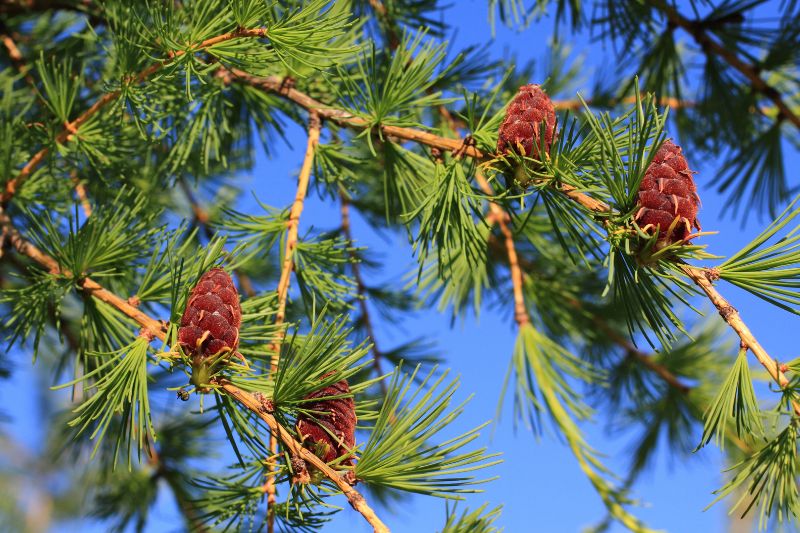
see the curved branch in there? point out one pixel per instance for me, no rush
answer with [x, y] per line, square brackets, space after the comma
[710, 46]
[88, 285]
[70, 128]
[501, 217]
[361, 288]
[461, 147]
[277, 85]
[293, 224]
[356, 500]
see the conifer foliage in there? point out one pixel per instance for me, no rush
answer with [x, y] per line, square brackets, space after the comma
[135, 266]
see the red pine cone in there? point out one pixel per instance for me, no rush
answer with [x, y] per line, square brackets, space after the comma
[668, 196]
[520, 130]
[326, 419]
[210, 323]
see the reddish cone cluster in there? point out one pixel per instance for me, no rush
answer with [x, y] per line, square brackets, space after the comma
[210, 323]
[668, 196]
[520, 131]
[329, 430]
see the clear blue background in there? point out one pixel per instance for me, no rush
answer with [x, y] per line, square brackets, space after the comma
[540, 485]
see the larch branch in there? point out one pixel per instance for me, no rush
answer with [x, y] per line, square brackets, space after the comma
[577, 105]
[461, 147]
[501, 217]
[83, 197]
[647, 359]
[16, 57]
[71, 127]
[356, 500]
[293, 224]
[361, 289]
[709, 45]
[276, 84]
[87, 284]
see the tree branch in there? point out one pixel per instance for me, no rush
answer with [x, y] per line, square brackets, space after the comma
[71, 128]
[356, 500]
[462, 147]
[386, 23]
[710, 46]
[275, 84]
[16, 56]
[501, 217]
[88, 285]
[293, 225]
[577, 105]
[647, 359]
[361, 288]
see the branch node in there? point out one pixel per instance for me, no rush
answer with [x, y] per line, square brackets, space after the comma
[712, 274]
[265, 404]
[727, 311]
[467, 142]
[350, 478]
[287, 84]
[146, 333]
[300, 475]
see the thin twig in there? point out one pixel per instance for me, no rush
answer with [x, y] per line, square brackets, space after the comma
[71, 127]
[463, 148]
[709, 45]
[275, 84]
[19, 62]
[202, 218]
[700, 276]
[361, 288]
[647, 359]
[501, 217]
[83, 197]
[356, 500]
[577, 105]
[293, 225]
[88, 285]
[16, 57]
[386, 23]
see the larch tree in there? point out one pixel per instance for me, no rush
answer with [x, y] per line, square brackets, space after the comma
[133, 280]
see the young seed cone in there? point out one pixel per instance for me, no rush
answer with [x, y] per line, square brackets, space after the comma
[530, 115]
[329, 430]
[668, 200]
[210, 324]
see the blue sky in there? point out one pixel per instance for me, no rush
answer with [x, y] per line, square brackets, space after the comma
[540, 484]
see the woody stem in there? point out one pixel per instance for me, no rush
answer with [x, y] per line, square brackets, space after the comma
[293, 224]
